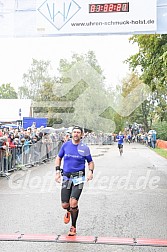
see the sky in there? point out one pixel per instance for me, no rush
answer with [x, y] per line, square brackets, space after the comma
[16, 55]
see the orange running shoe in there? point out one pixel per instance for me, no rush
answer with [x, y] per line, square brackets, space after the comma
[67, 217]
[72, 231]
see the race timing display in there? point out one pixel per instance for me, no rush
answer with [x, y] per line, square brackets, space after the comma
[109, 7]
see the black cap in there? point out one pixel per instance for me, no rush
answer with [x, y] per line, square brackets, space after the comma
[78, 127]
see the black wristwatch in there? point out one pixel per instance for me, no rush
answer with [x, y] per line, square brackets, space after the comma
[57, 168]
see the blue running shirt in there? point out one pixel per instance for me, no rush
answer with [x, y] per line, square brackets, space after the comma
[75, 156]
[120, 139]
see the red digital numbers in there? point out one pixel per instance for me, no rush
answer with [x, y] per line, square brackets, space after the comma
[125, 7]
[98, 8]
[109, 7]
[119, 6]
[106, 6]
[92, 8]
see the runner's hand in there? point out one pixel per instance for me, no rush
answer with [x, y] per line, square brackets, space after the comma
[58, 177]
[90, 175]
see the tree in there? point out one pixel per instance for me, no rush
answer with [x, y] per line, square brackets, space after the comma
[141, 114]
[46, 104]
[86, 90]
[79, 87]
[150, 62]
[34, 79]
[7, 92]
[161, 129]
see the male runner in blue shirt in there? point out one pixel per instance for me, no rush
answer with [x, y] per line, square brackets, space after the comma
[120, 140]
[75, 154]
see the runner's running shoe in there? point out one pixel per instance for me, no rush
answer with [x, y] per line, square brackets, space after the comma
[72, 231]
[67, 217]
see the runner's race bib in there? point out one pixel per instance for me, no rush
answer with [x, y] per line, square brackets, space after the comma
[78, 180]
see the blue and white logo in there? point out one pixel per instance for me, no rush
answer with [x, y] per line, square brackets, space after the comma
[58, 12]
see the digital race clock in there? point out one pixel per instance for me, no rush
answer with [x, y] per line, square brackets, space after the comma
[108, 7]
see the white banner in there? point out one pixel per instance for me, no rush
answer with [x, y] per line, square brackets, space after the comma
[28, 18]
[95, 16]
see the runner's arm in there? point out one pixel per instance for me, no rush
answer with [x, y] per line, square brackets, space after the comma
[58, 171]
[90, 172]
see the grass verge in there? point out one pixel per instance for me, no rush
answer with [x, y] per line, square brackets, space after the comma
[161, 152]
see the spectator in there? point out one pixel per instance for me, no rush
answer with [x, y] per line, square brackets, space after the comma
[4, 146]
[153, 139]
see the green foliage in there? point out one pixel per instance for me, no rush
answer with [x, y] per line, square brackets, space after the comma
[7, 92]
[150, 62]
[34, 79]
[161, 129]
[150, 57]
[39, 86]
[141, 114]
[88, 93]
[75, 92]
[119, 122]
[55, 121]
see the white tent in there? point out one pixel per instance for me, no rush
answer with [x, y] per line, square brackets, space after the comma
[14, 109]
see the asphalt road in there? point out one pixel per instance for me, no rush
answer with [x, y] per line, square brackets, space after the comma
[127, 198]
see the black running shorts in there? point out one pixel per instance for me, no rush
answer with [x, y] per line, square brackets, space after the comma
[68, 191]
[120, 146]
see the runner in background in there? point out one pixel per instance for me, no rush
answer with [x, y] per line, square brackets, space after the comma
[120, 140]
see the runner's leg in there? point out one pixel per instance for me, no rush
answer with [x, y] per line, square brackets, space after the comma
[75, 194]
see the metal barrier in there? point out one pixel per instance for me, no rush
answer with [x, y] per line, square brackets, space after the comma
[27, 155]
[7, 161]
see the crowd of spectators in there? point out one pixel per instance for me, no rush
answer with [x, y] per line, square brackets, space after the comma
[31, 146]
[146, 138]
[26, 147]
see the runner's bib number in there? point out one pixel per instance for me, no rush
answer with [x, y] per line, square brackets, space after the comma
[78, 180]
